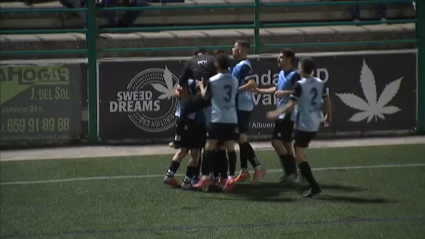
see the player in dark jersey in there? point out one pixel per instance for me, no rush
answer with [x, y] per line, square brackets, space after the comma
[199, 67]
[284, 125]
[185, 140]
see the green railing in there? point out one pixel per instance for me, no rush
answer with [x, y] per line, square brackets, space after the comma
[92, 32]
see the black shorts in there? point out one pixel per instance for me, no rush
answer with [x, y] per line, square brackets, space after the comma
[243, 121]
[223, 132]
[195, 104]
[303, 138]
[283, 129]
[188, 135]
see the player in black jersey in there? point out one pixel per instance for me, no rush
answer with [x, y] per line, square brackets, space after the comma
[199, 67]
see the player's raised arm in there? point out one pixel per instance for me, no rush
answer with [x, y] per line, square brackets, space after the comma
[246, 73]
[203, 89]
[270, 90]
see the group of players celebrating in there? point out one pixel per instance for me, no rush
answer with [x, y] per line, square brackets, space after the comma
[215, 104]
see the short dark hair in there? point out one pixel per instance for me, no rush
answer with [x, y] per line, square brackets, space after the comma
[223, 61]
[199, 50]
[218, 51]
[288, 53]
[308, 65]
[244, 44]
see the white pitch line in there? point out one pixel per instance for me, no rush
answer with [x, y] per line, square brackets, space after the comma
[162, 175]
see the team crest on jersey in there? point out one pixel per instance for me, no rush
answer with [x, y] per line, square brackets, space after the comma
[148, 100]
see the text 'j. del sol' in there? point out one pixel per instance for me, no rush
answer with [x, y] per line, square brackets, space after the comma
[57, 93]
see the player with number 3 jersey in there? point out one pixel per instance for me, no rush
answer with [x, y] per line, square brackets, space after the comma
[223, 128]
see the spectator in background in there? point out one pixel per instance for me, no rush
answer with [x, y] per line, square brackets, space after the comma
[381, 12]
[129, 17]
[76, 4]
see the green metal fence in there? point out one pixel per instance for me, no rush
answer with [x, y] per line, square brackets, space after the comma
[92, 32]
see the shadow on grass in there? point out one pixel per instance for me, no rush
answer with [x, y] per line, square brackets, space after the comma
[275, 192]
[346, 199]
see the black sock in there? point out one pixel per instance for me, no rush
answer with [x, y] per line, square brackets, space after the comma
[250, 154]
[292, 164]
[190, 172]
[307, 174]
[198, 168]
[174, 166]
[243, 157]
[224, 165]
[285, 166]
[216, 164]
[207, 163]
[232, 162]
[288, 164]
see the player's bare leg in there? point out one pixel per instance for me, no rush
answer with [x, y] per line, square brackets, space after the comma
[247, 154]
[174, 166]
[306, 172]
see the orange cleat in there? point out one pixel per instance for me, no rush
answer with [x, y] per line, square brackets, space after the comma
[258, 175]
[204, 182]
[229, 185]
[243, 175]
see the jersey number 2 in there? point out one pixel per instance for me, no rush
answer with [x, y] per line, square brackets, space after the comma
[313, 93]
[227, 93]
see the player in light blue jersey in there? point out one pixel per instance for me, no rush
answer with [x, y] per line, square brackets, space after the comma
[187, 139]
[223, 128]
[245, 104]
[307, 95]
[221, 167]
[284, 125]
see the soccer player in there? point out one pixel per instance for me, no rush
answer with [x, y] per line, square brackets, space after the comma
[200, 66]
[307, 95]
[186, 139]
[284, 125]
[220, 167]
[245, 104]
[223, 129]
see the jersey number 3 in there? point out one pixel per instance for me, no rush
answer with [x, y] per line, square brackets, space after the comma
[313, 93]
[227, 93]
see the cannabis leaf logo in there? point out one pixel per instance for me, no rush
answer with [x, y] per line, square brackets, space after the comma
[167, 92]
[372, 108]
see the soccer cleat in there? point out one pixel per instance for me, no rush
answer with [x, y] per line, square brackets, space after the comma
[289, 180]
[300, 179]
[258, 175]
[186, 186]
[205, 181]
[243, 175]
[171, 181]
[229, 185]
[312, 192]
